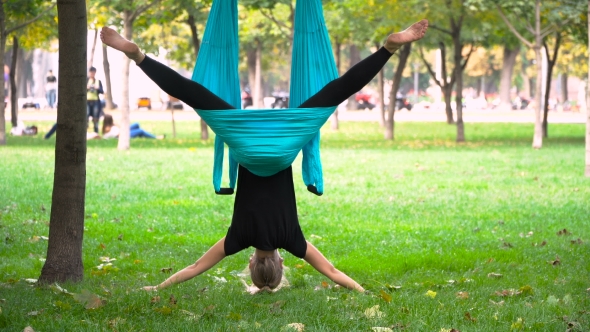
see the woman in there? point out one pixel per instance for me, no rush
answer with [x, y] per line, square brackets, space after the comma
[109, 130]
[265, 209]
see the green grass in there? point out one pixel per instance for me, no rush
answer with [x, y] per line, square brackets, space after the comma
[416, 213]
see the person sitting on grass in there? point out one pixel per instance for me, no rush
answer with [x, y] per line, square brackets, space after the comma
[265, 209]
[110, 130]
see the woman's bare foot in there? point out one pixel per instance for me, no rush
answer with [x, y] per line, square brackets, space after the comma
[111, 38]
[415, 32]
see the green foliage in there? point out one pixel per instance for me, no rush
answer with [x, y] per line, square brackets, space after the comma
[412, 219]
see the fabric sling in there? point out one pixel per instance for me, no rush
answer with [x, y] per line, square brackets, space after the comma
[266, 141]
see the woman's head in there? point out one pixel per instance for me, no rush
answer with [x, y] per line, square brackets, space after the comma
[107, 123]
[266, 272]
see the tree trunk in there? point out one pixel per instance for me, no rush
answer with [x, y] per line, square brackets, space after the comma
[108, 96]
[458, 61]
[66, 226]
[13, 95]
[251, 63]
[588, 103]
[173, 122]
[564, 90]
[550, 65]
[447, 91]
[355, 57]
[124, 134]
[526, 84]
[335, 125]
[257, 93]
[538, 134]
[194, 34]
[2, 83]
[404, 54]
[510, 55]
[197, 47]
[91, 60]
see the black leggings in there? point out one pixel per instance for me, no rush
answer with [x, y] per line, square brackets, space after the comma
[197, 96]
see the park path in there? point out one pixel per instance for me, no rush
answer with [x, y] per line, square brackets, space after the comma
[417, 115]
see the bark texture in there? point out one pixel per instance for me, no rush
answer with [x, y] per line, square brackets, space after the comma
[550, 65]
[108, 95]
[588, 108]
[66, 229]
[124, 134]
[508, 63]
[13, 93]
[2, 96]
[404, 54]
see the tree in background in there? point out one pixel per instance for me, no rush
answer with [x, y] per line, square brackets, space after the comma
[15, 15]
[66, 227]
[539, 19]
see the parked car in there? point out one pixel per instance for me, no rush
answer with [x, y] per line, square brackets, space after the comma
[402, 102]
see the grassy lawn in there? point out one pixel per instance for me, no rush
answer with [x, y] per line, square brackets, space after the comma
[443, 236]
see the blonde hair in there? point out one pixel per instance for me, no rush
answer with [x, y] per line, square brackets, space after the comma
[267, 272]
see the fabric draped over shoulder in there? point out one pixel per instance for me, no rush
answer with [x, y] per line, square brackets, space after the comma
[266, 141]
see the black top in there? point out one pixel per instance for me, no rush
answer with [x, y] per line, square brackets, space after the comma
[51, 79]
[265, 215]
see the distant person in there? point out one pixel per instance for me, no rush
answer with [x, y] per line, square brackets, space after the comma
[110, 130]
[6, 80]
[50, 89]
[93, 89]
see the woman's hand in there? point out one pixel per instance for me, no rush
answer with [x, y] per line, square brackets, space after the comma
[150, 288]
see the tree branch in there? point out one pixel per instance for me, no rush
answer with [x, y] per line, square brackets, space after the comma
[435, 27]
[140, 10]
[279, 24]
[24, 24]
[432, 73]
[467, 57]
[513, 29]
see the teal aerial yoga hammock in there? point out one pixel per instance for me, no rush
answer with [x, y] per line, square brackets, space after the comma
[266, 141]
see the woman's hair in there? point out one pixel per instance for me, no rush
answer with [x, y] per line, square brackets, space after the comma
[267, 272]
[107, 123]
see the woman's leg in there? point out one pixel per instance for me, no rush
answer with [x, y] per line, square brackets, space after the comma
[174, 84]
[362, 73]
[134, 126]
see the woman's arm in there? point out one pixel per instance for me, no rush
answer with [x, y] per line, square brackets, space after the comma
[213, 256]
[314, 257]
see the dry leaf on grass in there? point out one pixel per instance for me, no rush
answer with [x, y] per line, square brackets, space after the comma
[462, 295]
[155, 299]
[296, 327]
[495, 275]
[430, 294]
[88, 299]
[28, 329]
[385, 296]
[469, 317]
[556, 262]
[166, 270]
[381, 329]
[373, 312]
[172, 299]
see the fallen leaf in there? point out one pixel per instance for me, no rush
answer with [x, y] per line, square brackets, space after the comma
[28, 329]
[469, 317]
[106, 259]
[431, 294]
[381, 329]
[494, 275]
[34, 239]
[563, 232]
[31, 280]
[507, 292]
[155, 299]
[120, 237]
[526, 290]
[234, 316]
[578, 241]
[499, 304]
[44, 238]
[35, 313]
[462, 295]
[62, 305]
[101, 246]
[191, 316]
[491, 259]
[58, 289]
[296, 326]
[392, 287]
[507, 245]
[556, 262]
[113, 323]
[137, 261]
[385, 296]
[172, 299]
[299, 266]
[325, 284]
[166, 270]
[88, 299]
[518, 325]
[164, 310]
[373, 312]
